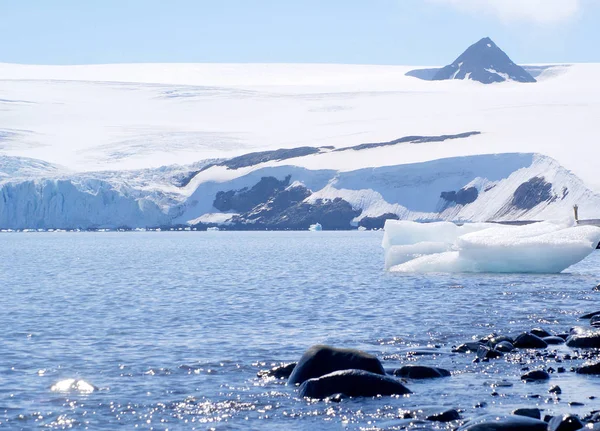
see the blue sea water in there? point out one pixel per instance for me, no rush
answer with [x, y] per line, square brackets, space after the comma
[172, 328]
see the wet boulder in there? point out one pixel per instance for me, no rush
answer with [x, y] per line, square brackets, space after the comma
[529, 412]
[529, 341]
[352, 383]
[493, 342]
[584, 339]
[505, 423]
[589, 368]
[420, 372]
[589, 315]
[320, 360]
[282, 371]
[504, 347]
[565, 423]
[595, 321]
[485, 352]
[471, 346]
[554, 340]
[540, 332]
[445, 416]
[535, 376]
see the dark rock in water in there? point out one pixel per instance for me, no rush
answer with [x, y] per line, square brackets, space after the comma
[461, 197]
[535, 376]
[532, 193]
[467, 347]
[505, 423]
[539, 332]
[421, 372]
[245, 199]
[555, 390]
[485, 352]
[281, 372]
[529, 412]
[565, 423]
[586, 340]
[590, 315]
[377, 222]
[504, 347]
[589, 368]
[564, 336]
[595, 321]
[352, 383]
[320, 360]
[529, 341]
[597, 288]
[447, 416]
[554, 340]
[485, 62]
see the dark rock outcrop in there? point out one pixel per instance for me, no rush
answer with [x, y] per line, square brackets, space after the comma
[409, 139]
[421, 372]
[377, 222]
[461, 197]
[245, 199]
[321, 360]
[352, 383]
[485, 62]
[532, 193]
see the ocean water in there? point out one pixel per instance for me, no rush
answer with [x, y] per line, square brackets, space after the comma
[171, 328]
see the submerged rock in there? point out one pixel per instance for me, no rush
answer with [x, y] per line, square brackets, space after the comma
[320, 360]
[352, 383]
[529, 341]
[472, 346]
[421, 372]
[447, 416]
[280, 372]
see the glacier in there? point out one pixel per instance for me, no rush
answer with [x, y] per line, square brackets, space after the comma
[160, 142]
[542, 247]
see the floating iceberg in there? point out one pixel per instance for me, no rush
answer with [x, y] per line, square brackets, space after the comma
[315, 227]
[544, 247]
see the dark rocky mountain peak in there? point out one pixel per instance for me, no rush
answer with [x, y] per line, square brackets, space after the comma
[485, 62]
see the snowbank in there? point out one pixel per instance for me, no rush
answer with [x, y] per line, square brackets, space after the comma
[545, 247]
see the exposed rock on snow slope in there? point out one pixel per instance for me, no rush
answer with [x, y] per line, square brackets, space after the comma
[475, 188]
[485, 62]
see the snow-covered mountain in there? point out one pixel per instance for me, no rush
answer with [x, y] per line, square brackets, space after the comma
[277, 194]
[162, 145]
[485, 62]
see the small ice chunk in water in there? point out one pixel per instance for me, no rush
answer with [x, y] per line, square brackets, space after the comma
[68, 385]
[544, 247]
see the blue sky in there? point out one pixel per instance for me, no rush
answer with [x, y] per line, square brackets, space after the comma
[411, 32]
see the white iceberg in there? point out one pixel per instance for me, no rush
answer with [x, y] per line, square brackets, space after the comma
[543, 247]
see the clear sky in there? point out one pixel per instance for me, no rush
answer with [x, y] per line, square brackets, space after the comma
[410, 32]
